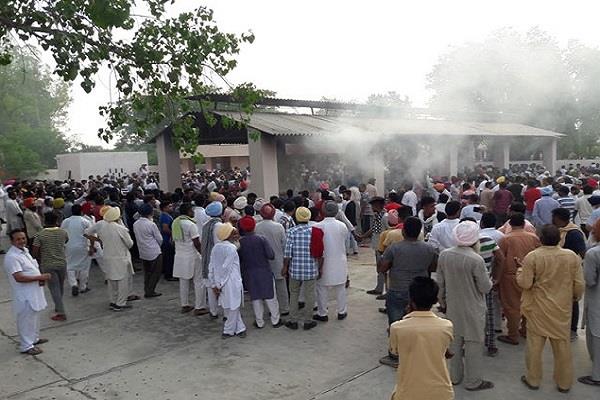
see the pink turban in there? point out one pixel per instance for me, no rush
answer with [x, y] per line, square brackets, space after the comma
[393, 218]
[267, 211]
[466, 233]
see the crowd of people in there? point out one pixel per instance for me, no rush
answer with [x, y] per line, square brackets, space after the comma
[505, 255]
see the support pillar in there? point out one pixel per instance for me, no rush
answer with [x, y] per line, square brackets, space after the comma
[169, 169]
[502, 154]
[550, 154]
[379, 173]
[452, 159]
[263, 165]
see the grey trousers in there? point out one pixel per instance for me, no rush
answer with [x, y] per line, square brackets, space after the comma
[152, 273]
[468, 370]
[282, 295]
[119, 290]
[56, 285]
[309, 295]
[593, 345]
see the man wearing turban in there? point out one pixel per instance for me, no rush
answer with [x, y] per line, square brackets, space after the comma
[226, 280]
[208, 239]
[464, 282]
[33, 222]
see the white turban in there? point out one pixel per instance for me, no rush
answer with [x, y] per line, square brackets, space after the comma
[466, 233]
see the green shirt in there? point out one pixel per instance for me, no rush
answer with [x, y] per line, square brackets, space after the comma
[51, 242]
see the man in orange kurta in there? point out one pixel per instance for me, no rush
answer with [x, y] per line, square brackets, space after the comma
[515, 245]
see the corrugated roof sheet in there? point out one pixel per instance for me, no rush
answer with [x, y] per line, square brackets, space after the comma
[284, 124]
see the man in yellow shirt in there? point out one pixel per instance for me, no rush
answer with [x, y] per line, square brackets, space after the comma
[551, 278]
[421, 341]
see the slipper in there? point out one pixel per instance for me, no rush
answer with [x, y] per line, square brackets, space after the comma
[484, 385]
[529, 385]
[34, 351]
[506, 339]
[587, 380]
[133, 297]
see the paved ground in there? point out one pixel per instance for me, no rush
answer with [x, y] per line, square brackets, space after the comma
[154, 352]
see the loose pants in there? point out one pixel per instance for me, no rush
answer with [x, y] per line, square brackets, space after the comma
[28, 325]
[282, 295]
[199, 291]
[593, 346]
[234, 323]
[152, 271]
[309, 291]
[78, 277]
[322, 298]
[168, 252]
[466, 369]
[56, 285]
[563, 362]
[510, 296]
[119, 290]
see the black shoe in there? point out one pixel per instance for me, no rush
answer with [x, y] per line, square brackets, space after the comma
[342, 316]
[111, 305]
[374, 292]
[301, 305]
[315, 308]
[381, 297]
[254, 324]
[115, 307]
[279, 324]
[241, 334]
[152, 295]
[389, 361]
[285, 314]
[309, 325]
[291, 325]
[74, 291]
[382, 310]
[226, 336]
[172, 279]
[317, 317]
[87, 289]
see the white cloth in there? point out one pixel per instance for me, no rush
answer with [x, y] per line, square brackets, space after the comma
[442, 235]
[234, 323]
[116, 242]
[468, 211]
[410, 199]
[148, 238]
[12, 215]
[188, 261]
[335, 263]
[199, 292]
[200, 217]
[19, 260]
[224, 273]
[78, 277]
[259, 310]
[77, 248]
[323, 298]
[493, 233]
[28, 325]
[119, 290]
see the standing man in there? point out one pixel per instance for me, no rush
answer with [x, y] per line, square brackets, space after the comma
[28, 299]
[116, 259]
[14, 214]
[49, 250]
[502, 199]
[542, 209]
[32, 220]
[551, 279]
[167, 248]
[379, 224]
[442, 234]
[592, 312]
[584, 209]
[274, 233]
[301, 268]
[335, 264]
[208, 239]
[515, 245]
[78, 250]
[403, 261]
[149, 241]
[464, 282]
[421, 341]
[226, 280]
[188, 261]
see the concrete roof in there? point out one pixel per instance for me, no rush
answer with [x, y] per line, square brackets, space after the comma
[286, 124]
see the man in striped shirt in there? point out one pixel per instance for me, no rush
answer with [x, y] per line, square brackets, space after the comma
[565, 200]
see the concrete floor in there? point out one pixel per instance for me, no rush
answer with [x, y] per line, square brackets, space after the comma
[154, 352]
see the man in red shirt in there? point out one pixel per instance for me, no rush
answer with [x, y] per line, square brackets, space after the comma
[502, 200]
[532, 193]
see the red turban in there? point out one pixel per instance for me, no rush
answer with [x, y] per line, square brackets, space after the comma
[86, 208]
[28, 202]
[247, 224]
[267, 211]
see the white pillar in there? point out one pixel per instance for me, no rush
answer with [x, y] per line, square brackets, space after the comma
[502, 154]
[379, 173]
[263, 165]
[452, 159]
[550, 154]
[169, 169]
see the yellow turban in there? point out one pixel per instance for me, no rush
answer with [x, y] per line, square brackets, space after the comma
[103, 210]
[112, 214]
[302, 214]
[224, 231]
[500, 180]
[59, 202]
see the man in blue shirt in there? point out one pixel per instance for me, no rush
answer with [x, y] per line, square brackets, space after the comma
[168, 248]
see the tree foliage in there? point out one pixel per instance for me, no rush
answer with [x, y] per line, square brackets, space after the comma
[526, 78]
[155, 60]
[32, 112]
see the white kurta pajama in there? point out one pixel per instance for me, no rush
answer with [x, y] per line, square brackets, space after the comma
[592, 307]
[335, 265]
[275, 235]
[13, 220]
[188, 266]
[28, 297]
[116, 259]
[77, 251]
[224, 273]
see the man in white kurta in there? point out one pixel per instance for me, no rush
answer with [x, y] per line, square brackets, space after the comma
[27, 295]
[116, 259]
[226, 279]
[592, 312]
[77, 251]
[14, 214]
[335, 264]
[188, 261]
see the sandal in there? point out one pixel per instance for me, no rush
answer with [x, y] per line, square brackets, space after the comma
[529, 385]
[34, 351]
[484, 385]
[587, 380]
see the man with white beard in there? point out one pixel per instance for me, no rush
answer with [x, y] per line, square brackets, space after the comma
[335, 264]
